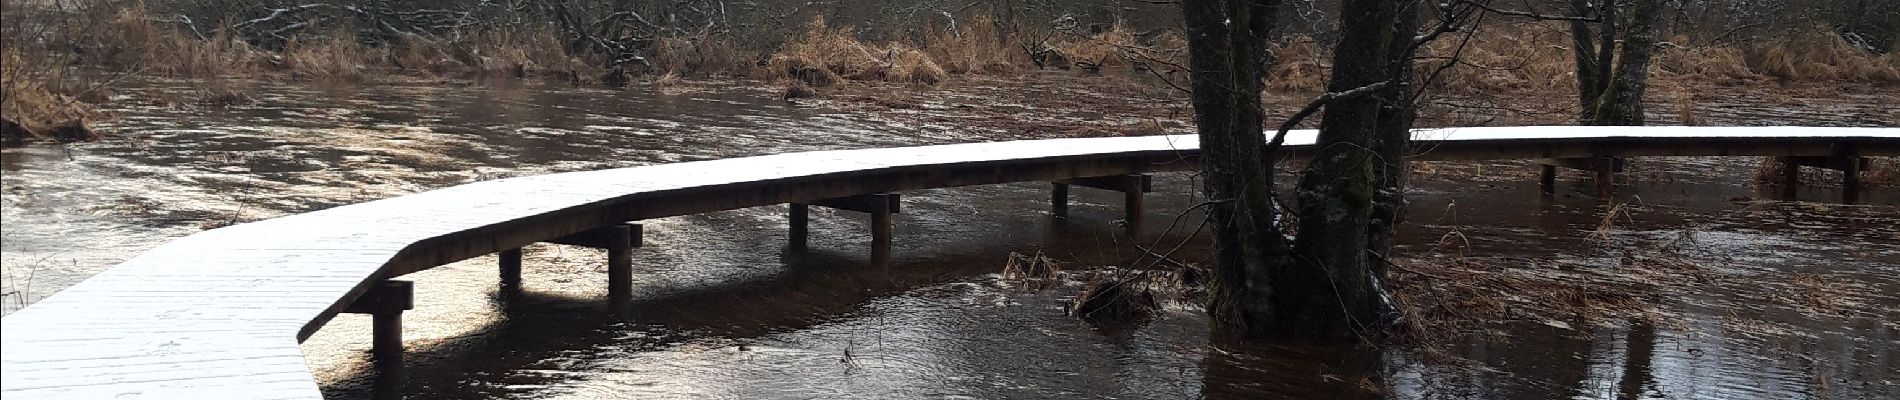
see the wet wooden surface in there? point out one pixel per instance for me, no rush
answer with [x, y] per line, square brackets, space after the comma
[219, 314]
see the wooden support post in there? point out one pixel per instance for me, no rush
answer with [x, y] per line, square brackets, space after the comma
[881, 231]
[800, 221]
[1603, 168]
[1131, 201]
[1606, 177]
[1059, 199]
[1790, 177]
[1850, 181]
[1547, 181]
[1850, 163]
[510, 269]
[1131, 186]
[1846, 159]
[620, 242]
[385, 304]
[879, 205]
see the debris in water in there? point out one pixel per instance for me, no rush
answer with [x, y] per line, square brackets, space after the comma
[1035, 272]
[1115, 302]
[797, 90]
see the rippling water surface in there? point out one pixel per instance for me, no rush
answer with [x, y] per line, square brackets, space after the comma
[722, 311]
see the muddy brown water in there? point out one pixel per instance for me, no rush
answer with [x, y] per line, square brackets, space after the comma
[721, 310]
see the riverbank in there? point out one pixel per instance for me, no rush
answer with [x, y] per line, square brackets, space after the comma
[1503, 67]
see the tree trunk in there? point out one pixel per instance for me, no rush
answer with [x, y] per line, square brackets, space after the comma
[1622, 101]
[1588, 87]
[1595, 59]
[1226, 43]
[1395, 135]
[1320, 285]
[1332, 293]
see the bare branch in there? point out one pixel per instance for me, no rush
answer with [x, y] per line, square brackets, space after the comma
[1314, 106]
[1527, 14]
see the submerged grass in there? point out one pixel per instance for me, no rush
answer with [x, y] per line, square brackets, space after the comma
[1446, 293]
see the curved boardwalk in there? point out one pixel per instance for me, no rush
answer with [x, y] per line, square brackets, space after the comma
[219, 314]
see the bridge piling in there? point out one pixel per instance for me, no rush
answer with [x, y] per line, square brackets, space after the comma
[1132, 186]
[618, 240]
[1845, 159]
[880, 235]
[1059, 199]
[621, 240]
[1606, 176]
[385, 304]
[1547, 180]
[800, 226]
[1850, 181]
[879, 205]
[1790, 176]
[510, 270]
[1850, 162]
[1603, 170]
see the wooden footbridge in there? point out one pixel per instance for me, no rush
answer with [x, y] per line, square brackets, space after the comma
[219, 314]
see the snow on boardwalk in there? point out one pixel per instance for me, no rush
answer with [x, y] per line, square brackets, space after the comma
[219, 314]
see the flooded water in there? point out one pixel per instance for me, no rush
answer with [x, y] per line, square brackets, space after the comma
[722, 310]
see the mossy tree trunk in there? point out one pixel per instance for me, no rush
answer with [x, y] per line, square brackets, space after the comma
[1332, 293]
[1622, 100]
[1227, 40]
[1321, 285]
[1611, 80]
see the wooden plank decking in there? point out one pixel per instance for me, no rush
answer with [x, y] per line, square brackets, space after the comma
[219, 314]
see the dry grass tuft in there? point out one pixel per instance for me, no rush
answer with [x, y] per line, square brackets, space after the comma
[134, 40]
[913, 66]
[703, 56]
[1118, 47]
[1821, 56]
[1506, 58]
[32, 108]
[976, 47]
[1032, 272]
[1724, 65]
[1299, 66]
[337, 57]
[826, 56]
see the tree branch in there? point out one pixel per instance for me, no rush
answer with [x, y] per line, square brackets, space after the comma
[1316, 104]
[1526, 14]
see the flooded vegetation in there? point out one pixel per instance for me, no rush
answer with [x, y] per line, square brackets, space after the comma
[1699, 279]
[1701, 284]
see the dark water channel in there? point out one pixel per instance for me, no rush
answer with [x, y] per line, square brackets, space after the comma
[721, 310]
